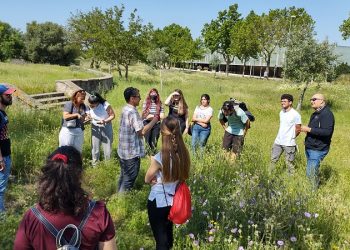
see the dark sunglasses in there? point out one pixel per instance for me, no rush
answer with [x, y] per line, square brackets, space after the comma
[314, 99]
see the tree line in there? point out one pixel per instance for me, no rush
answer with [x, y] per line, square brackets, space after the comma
[105, 36]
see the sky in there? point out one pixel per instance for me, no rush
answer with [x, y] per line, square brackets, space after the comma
[328, 14]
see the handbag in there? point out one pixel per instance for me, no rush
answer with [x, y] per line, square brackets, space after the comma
[71, 123]
[181, 210]
[189, 131]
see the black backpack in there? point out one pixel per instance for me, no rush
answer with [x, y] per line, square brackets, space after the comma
[61, 242]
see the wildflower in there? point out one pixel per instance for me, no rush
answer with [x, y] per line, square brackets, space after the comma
[205, 213]
[211, 238]
[293, 239]
[241, 204]
[250, 243]
[316, 215]
[191, 235]
[241, 248]
[280, 242]
[307, 214]
[196, 242]
[234, 230]
[211, 231]
[210, 225]
[250, 222]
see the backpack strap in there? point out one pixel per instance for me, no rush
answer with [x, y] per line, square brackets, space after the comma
[51, 228]
[75, 236]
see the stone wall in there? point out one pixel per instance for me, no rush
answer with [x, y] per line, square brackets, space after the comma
[100, 84]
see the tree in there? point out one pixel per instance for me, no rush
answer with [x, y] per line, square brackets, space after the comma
[244, 39]
[214, 62]
[11, 42]
[345, 28]
[157, 58]
[216, 34]
[308, 60]
[104, 36]
[85, 30]
[276, 28]
[178, 43]
[47, 43]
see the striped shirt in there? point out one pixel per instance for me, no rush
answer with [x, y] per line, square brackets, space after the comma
[153, 108]
[131, 145]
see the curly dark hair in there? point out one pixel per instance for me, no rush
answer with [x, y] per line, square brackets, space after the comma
[60, 183]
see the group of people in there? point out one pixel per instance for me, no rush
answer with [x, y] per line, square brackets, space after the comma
[319, 132]
[63, 201]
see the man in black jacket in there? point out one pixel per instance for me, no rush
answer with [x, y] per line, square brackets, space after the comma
[318, 136]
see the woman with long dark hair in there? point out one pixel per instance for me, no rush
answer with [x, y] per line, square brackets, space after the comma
[152, 107]
[74, 115]
[178, 109]
[167, 168]
[201, 123]
[101, 115]
[62, 201]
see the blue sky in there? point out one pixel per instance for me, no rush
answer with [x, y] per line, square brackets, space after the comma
[328, 14]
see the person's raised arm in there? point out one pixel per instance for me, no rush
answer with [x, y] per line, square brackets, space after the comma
[168, 99]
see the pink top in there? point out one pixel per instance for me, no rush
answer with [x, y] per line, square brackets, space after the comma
[32, 234]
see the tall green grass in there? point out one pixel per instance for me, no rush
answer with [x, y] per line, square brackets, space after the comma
[235, 204]
[39, 78]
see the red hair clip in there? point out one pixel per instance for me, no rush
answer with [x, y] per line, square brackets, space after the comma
[61, 157]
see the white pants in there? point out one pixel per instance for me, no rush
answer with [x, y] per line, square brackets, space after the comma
[72, 137]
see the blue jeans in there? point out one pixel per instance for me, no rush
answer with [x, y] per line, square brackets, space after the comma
[200, 136]
[4, 177]
[314, 158]
[129, 169]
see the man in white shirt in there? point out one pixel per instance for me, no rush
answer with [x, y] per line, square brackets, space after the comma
[290, 124]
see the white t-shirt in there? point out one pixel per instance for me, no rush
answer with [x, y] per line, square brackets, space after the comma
[99, 113]
[286, 132]
[203, 113]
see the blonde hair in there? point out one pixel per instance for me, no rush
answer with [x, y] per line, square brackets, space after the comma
[175, 156]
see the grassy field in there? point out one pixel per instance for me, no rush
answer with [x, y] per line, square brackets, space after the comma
[235, 204]
[39, 78]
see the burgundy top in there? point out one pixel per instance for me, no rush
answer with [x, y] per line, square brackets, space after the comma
[32, 234]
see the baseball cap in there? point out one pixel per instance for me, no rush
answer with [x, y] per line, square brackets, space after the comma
[6, 90]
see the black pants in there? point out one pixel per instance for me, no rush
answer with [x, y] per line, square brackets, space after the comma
[162, 228]
[152, 136]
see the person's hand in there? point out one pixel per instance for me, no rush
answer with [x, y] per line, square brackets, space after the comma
[305, 129]
[153, 181]
[185, 131]
[149, 117]
[2, 165]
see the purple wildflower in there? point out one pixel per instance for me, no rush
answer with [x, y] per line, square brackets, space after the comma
[307, 214]
[293, 239]
[241, 204]
[280, 242]
[211, 238]
[234, 230]
[191, 235]
[241, 248]
[196, 242]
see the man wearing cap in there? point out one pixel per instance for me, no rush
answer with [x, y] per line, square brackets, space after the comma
[235, 123]
[290, 123]
[5, 143]
[319, 133]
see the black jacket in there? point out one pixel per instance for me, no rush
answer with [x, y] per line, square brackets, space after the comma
[322, 127]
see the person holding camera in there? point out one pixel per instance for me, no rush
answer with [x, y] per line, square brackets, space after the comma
[178, 109]
[235, 123]
[74, 115]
